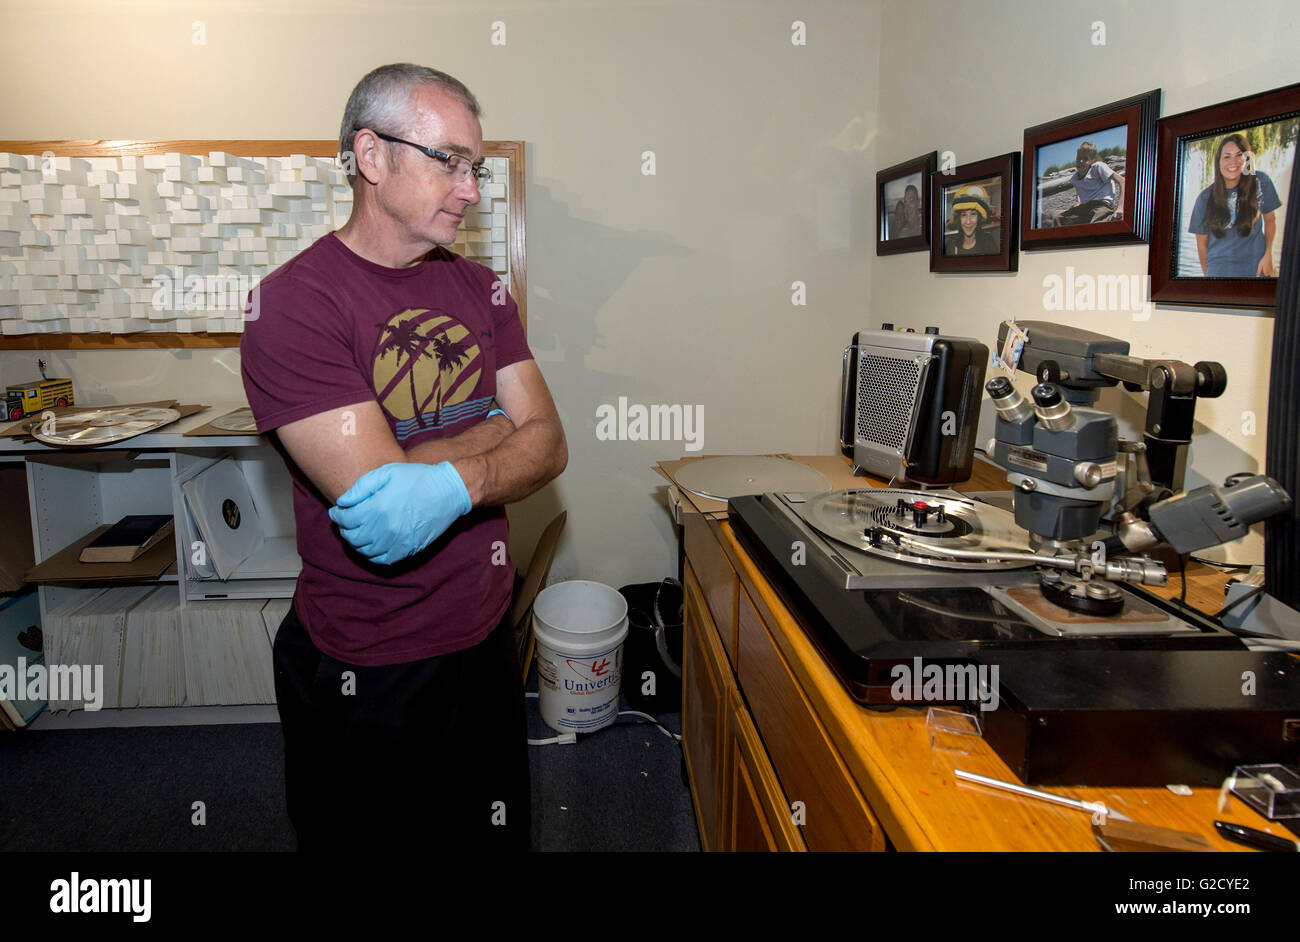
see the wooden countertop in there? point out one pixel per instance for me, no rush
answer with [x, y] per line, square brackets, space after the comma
[911, 787]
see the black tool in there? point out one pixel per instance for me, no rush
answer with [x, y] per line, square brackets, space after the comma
[1251, 837]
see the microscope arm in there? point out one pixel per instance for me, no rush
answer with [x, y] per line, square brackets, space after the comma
[1173, 388]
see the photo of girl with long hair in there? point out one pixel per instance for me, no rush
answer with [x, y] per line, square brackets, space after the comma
[1234, 218]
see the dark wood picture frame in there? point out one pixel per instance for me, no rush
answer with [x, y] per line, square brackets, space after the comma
[1007, 167]
[924, 165]
[1139, 115]
[1172, 136]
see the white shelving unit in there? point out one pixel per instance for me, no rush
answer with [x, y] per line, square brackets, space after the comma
[73, 491]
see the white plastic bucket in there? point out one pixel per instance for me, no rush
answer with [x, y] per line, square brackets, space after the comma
[580, 627]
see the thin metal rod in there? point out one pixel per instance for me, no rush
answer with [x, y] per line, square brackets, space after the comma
[1076, 804]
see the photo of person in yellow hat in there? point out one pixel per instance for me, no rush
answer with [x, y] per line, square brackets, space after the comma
[970, 214]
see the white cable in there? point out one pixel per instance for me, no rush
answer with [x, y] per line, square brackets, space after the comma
[564, 739]
[663, 729]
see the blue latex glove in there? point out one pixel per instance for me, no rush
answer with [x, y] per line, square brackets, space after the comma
[398, 509]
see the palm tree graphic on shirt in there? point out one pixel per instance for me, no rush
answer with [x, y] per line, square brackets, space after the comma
[436, 359]
[449, 354]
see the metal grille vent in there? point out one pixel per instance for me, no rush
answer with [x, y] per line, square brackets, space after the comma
[886, 396]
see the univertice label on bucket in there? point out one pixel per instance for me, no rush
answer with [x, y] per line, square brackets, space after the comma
[588, 688]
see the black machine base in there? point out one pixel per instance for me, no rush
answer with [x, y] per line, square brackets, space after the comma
[1143, 717]
[1072, 710]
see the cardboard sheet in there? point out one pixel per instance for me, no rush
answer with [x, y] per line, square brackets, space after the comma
[66, 566]
[538, 568]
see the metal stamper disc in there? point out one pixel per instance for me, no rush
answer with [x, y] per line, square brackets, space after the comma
[241, 420]
[847, 515]
[101, 426]
[741, 475]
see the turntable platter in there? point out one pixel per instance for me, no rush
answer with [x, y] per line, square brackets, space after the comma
[940, 521]
[87, 428]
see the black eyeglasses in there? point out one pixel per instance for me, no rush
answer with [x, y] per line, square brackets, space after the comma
[452, 163]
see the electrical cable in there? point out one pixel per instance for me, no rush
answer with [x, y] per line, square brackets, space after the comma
[570, 738]
[1224, 566]
[564, 739]
[676, 737]
[1237, 601]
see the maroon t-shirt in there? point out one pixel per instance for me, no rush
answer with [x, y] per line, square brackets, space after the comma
[425, 342]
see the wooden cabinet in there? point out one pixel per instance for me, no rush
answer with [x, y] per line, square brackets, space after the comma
[764, 773]
[739, 804]
[756, 815]
[833, 814]
[715, 579]
[706, 679]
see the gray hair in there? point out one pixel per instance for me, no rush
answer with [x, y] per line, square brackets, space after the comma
[382, 102]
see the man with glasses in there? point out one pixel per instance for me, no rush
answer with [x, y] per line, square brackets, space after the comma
[376, 358]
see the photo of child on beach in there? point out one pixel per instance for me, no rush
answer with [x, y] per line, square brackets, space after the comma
[1080, 181]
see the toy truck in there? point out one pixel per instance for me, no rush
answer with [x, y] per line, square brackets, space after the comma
[26, 398]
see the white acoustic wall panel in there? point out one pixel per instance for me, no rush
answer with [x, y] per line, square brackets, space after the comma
[173, 243]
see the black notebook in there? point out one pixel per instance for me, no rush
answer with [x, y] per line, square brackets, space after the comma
[127, 539]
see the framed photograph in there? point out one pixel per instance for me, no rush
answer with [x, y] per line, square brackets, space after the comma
[1089, 179]
[1223, 174]
[973, 216]
[903, 206]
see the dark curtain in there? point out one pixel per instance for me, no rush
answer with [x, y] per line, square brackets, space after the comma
[1282, 458]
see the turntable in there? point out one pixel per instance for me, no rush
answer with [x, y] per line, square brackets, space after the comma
[881, 576]
[1094, 680]
[884, 538]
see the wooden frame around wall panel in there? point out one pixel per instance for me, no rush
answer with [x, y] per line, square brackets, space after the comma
[515, 228]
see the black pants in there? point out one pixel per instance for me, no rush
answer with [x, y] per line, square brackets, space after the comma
[423, 755]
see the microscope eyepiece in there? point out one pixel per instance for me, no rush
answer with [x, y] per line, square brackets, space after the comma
[1046, 394]
[999, 387]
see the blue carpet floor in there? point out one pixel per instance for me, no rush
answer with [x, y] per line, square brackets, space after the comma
[132, 789]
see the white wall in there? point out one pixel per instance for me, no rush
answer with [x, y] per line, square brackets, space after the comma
[673, 288]
[970, 77]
